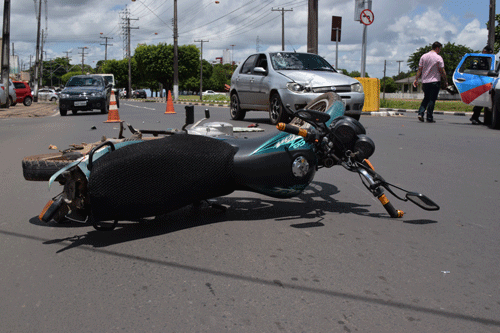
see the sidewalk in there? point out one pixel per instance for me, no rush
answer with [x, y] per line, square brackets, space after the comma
[385, 112]
[40, 109]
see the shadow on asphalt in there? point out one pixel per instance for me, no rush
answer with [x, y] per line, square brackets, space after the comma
[311, 206]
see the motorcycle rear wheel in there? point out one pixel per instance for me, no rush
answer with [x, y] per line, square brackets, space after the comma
[42, 167]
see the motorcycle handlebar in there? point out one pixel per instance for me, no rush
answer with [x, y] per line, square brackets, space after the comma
[294, 130]
[377, 191]
[393, 212]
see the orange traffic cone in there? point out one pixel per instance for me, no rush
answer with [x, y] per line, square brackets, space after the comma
[113, 116]
[170, 104]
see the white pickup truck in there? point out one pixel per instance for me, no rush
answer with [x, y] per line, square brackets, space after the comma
[111, 79]
[477, 80]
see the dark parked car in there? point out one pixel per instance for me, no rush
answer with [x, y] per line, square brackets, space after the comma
[85, 93]
[139, 94]
[23, 93]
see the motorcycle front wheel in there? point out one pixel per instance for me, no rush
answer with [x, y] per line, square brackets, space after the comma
[42, 167]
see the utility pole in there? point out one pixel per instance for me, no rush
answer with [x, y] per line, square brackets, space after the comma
[232, 52]
[491, 25]
[126, 27]
[201, 66]
[5, 50]
[399, 69]
[106, 46]
[176, 55]
[282, 10]
[83, 56]
[385, 67]
[40, 77]
[67, 58]
[37, 56]
[312, 27]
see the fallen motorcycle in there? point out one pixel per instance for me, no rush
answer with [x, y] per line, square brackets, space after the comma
[138, 177]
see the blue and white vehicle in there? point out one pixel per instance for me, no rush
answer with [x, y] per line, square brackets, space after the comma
[476, 78]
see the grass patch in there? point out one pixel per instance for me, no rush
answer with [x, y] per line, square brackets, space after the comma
[455, 106]
[196, 98]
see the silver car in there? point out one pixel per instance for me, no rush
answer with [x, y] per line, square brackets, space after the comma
[271, 80]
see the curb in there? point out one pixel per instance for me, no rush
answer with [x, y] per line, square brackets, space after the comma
[387, 112]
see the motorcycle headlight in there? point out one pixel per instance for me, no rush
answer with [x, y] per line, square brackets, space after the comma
[357, 87]
[297, 87]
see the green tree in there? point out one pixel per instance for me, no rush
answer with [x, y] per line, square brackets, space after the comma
[119, 69]
[390, 85]
[451, 53]
[65, 78]
[496, 45]
[53, 70]
[155, 62]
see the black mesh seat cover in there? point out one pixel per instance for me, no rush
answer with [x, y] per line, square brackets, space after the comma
[157, 176]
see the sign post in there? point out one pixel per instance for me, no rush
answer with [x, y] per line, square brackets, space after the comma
[336, 30]
[363, 14]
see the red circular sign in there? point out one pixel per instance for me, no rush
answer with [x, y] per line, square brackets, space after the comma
[366, 17]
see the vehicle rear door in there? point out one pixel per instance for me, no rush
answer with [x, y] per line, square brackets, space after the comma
[21, 91]
[472, 80]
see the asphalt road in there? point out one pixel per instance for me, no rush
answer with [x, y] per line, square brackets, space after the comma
[329, 260]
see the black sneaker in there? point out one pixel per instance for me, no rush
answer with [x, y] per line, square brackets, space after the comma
[476, 121]
[431, 121]
[421, 118]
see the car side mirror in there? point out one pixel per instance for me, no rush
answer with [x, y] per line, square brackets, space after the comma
[260, 70]
[492, 74]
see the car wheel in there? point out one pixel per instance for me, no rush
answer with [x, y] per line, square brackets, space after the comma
[27, 101]
[12, 103]
[276, 110]
[104, 109]
[74, 111]
[236, 112]
[487, 116]
[495, 113]
[53, 99]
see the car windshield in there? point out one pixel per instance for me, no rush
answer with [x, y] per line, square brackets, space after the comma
[83, 82]
[299, 61]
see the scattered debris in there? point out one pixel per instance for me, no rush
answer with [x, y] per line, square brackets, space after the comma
[93, 128]
[52, 147]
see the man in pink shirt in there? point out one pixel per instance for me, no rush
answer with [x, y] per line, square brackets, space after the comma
[431, 69]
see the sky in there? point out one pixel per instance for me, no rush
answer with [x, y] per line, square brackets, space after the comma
[399, 28]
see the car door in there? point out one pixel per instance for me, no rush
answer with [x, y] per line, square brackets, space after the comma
[260, 85]
[472, 80]
[245, 79]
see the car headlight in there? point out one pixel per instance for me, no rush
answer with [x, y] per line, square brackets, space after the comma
[297, 87]
[357, 87]
[64, 95]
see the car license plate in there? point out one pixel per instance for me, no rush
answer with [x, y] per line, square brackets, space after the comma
[80, 103]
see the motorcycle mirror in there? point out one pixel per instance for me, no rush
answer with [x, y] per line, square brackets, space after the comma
[189, 114]
[422, 201]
